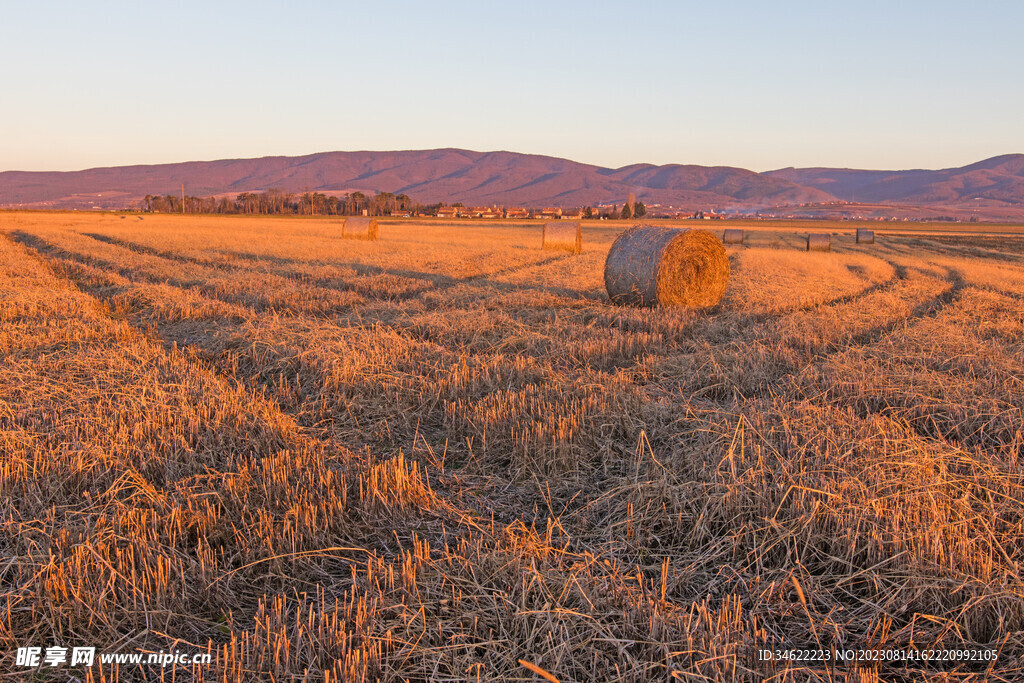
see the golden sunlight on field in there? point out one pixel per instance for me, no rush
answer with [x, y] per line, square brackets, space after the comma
[445, 455]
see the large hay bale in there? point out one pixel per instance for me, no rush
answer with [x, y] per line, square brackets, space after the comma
[819, 241]
[652, 265]
[564, 235]
[865, 236]
[359, 228]
[733, 236]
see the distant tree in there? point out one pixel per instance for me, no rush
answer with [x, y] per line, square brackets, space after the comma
[247, 202]
[639, 210]
[588, 212]
[355, 203]
[626, 215]
[273, 201]
[382, 204]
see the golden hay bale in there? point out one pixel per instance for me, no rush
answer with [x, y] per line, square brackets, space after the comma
[819, 241]
[567, 235]
[649, 265]
[359, 228]
[733, 236]
[865, 236]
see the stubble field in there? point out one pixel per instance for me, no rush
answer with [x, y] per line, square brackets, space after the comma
[446, 456]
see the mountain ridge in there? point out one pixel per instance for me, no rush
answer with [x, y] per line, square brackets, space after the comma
[513, 179]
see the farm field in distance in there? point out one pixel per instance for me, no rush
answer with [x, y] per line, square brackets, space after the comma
[445, 455]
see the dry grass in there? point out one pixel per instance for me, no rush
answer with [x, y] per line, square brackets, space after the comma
[446, 456]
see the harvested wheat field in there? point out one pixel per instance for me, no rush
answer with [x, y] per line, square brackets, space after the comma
[445, 455]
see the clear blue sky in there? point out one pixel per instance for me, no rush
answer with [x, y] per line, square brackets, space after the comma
[755, 84]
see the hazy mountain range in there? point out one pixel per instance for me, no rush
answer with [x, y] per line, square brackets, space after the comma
[509, 179]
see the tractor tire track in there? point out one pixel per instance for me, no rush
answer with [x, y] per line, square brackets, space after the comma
[780, 361]
[253, 301]
[900, 276]
[438, 281]
[107, 295]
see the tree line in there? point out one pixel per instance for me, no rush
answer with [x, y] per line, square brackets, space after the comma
[279, 202]
[274, 202]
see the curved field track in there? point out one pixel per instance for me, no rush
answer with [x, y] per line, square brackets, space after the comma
[445, 453]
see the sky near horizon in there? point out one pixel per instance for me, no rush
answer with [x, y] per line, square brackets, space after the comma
[886, 85]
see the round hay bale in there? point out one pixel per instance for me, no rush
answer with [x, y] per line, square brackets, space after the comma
[652, 265]
[865, 236]
[359, 228]
[733, 236]
[564, 235]
[820, 241]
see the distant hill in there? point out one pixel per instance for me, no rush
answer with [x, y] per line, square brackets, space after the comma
[511, 179]
[1000, 179]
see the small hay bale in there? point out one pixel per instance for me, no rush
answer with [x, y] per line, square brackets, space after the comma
[865, 236]
[564, 235]
[652, 265]
[359, 228]
[819, 241]
[733, 236]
